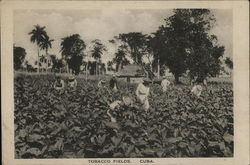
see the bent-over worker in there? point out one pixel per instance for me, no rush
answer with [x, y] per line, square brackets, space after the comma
[196, 90]
[101, 84]
[72, 83]
[126, 100]
[59, 83]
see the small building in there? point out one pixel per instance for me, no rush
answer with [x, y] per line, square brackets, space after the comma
[132, 73]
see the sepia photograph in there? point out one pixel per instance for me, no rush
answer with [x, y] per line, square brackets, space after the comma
[125, 83]
[145, 83]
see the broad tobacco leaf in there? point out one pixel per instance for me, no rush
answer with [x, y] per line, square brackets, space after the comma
[53, 124]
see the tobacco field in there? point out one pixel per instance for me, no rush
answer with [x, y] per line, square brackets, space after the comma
[75, 124]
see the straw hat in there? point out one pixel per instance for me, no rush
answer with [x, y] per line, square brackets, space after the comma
[127, 100]
[71, 77]
[199, 87]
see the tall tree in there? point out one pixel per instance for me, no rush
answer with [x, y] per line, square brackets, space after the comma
[75, 63]
[150, 57]
[72, 48]
[185, 43]
[110, 66]
[91, 67]
[170, 48]
[97, 52]
[120, 57]
[136, 42]
[57, 64]
[103, 68]
[45, 44]
[203, 50]
[158, 46]
[38, 34]
[19, 56]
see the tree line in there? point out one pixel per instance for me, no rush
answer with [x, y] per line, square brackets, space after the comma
[182, 44]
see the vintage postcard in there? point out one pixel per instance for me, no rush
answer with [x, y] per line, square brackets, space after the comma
[125, 82]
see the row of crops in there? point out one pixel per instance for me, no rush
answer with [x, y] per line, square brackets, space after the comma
[75, 124]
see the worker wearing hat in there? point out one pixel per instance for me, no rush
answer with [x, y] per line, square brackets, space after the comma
[72, 82]
[59, 83]
[142, 93]
[101, 83]
[196, 90]
[113, 83]
[126, 101]
[165, 84]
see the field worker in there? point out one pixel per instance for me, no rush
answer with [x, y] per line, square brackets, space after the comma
[115, 104]
[101, 84]
[196, 90]
[142, 93]
[59, 83]
[112, 106]
[127, 101]
[165, 84]
[112, 118]
[72, 83]
[113, 83]
[205, 82]
[193, 81]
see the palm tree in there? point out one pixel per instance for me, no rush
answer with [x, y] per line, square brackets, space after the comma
[120, 58]
[38, 34]
[109, 65]
[45, 45]
[97, 52]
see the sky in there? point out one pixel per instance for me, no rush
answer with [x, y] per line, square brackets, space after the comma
[103, 25]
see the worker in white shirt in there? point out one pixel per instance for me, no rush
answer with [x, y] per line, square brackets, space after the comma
[72, 82]
[196, 90]
[205, 82]
[193, 80]
[59, 83]
[101, 84]
[165, 84]
[127, 101]
[142, 93]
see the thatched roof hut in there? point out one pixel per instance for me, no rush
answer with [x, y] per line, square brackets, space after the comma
[131, 72]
